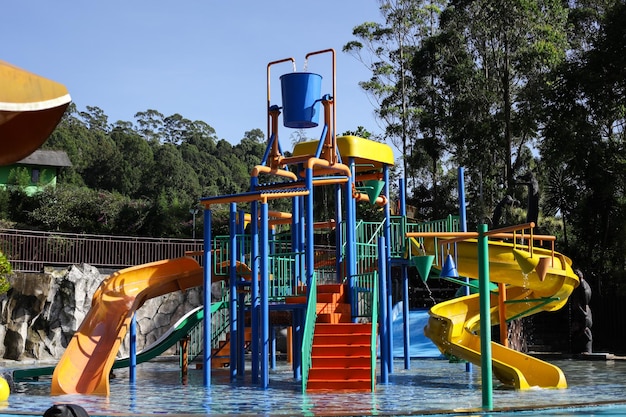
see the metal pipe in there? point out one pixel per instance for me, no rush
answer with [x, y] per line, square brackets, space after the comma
[485, 318]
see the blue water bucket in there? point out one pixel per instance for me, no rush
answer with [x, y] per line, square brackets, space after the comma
[301, 99]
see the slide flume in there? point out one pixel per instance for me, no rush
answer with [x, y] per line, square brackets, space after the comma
[85, 365]
[454, 325]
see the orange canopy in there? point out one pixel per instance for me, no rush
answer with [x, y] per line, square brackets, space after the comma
[30, 108]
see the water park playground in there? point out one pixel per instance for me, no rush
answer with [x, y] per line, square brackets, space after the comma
[336, 303]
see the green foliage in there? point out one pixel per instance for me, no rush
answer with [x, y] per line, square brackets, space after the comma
[503, 88]
[5, 271]
[133, 179]
[19, 177]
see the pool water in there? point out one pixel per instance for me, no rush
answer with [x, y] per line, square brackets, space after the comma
[430, 387]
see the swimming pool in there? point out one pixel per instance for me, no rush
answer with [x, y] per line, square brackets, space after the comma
[430, 387]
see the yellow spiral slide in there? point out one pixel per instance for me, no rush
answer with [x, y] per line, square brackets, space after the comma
[454, 325]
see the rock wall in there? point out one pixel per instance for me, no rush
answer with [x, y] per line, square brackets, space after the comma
[41, 312]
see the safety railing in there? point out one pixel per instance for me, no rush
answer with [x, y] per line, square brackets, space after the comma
[449, 224]
[282, 264]
[374, 338]
[31, 251]
[368, 232]
[366, 257]
[283, 275]
[309, 329]
[363, 294]
[220, 325]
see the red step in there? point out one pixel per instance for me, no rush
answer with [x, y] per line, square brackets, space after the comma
[341, 355]
[358, 361]
[220, 357]
[347, 385]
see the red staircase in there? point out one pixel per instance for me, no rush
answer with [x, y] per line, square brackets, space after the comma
[220, 356]
[341, 354]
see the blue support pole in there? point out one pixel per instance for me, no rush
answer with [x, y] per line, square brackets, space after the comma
[387, 232]
[295, 229]
[350, 256]
[132, 354]
[310, 244]
[463, 226]
[232, 297]
[206, 321]
[241, 348]
[296, 343]
[462, 208]
[297, 221]
[273, 347]
[338, 230]
[301, 237]
[264, 302]
[405, 286]
[382, 318]
[232, 281]
[254, 293]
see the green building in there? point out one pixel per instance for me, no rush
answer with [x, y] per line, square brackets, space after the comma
[42, 166]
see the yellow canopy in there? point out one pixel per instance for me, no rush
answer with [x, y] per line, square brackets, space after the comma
[30, 108]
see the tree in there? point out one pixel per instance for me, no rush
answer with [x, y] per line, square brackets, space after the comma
[95, 119]
[584, 136]
[136, 164]
[105, 162]
[151, 125]
[174, 178]
[513, 45]
[387, 50]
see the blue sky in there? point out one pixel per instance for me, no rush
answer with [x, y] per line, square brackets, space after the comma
[204, 59]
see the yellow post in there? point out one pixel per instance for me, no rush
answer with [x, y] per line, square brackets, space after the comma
[504, 331]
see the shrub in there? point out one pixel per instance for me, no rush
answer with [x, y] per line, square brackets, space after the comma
[5, 271]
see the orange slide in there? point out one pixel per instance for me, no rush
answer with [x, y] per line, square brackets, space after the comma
[87, 361]
[30, 108]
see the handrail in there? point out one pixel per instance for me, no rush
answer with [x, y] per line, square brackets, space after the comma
[31, 251]
[454, 237]
[374, 334]
[309, 329]
[221, 324]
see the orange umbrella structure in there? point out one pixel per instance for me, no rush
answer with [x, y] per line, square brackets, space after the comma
[30, 108]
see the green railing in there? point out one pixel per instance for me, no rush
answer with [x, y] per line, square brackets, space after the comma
[220, 326]
[281, 263]
[221, 252]
[309, 329]
[283, 273]
[366, 257]
[368, 232]
[362, 293]
[401, 225]
[365, 292]
[398, 243]
[374, 336]
[449, 224]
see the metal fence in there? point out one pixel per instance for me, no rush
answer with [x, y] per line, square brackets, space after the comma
[30, 251]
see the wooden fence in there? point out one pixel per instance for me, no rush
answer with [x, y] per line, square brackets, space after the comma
[30, 251]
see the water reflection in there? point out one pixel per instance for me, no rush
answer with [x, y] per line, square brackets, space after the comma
[429, 387]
